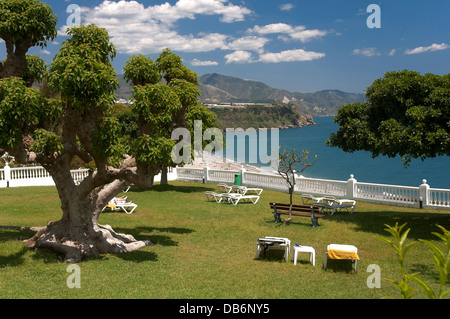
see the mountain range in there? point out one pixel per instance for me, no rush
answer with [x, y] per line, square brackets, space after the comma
[218, 89]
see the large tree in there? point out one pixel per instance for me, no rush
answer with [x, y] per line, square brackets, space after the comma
[78, 123]
[24, 24]
[405, 114]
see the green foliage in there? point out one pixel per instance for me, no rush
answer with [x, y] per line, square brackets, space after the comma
[199, 113]
[171, 66]
[405, 114]
[441, 259]
[127, 123]
[46, 142]
[442, 263]
[141, 70]
[36, 69]
[160, 105]
[82, 71]
[401, 249]
[106, 139]
[186, 91]
[153, 150]
[29, 22]
[155, 103]
[19, 106]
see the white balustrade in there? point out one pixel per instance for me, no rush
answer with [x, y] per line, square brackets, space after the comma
[215, 175]
[190, 173]
[422, 196]
[79, 175]
[320, 186]
[269, 181]
[439, 197]
[387, 193]
[33, 172]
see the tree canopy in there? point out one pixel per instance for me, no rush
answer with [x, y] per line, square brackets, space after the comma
[73, 118]
[24, 24]
[405, 114]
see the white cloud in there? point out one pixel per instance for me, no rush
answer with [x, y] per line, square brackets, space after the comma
[47, 52]
[147, 29]
[286, 7]
[196, 62]
[289, 32]
[135, 28]
[251, 43]
[239, 57]
[431, 48]
[290, 56]
[392, 52]
[189, 8]
[366, 52]
[283, 56]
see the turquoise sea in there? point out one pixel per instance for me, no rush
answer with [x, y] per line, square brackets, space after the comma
[333, 163]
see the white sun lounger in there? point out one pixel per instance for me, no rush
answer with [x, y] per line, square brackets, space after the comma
[331, 206]
[212, 196]
[224, 188]
[244, 190]
[116, 204]
[236, 198]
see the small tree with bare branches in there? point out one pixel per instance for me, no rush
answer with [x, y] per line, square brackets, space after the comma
[288, 160]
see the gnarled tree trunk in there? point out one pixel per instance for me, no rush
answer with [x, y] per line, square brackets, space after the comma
[77, 234]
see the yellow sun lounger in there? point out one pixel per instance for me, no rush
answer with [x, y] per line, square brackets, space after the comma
[342, 252]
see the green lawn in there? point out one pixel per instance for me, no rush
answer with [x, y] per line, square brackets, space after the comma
[206, 250]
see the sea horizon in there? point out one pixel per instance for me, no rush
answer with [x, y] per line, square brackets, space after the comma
[335, 164]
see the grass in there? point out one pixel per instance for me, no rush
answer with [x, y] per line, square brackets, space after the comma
[206, 250]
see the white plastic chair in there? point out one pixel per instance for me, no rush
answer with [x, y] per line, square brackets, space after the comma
[267, 243]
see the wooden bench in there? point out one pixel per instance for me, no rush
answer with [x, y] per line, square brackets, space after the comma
[297, 210]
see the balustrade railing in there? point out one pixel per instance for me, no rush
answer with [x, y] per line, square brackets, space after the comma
[388, 193]
[29, 173]
[439, 197]
[422, 196]
[215, 175]
[191, 173]
[269, 181]
[321, 186]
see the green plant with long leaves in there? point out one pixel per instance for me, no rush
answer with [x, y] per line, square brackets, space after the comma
[401, 247]
[442, 263]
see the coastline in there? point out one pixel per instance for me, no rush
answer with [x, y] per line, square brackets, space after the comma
[214, 161]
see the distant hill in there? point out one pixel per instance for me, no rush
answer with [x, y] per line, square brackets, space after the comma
[218, 88]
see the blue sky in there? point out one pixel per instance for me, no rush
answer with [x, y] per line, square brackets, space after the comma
[297, 45]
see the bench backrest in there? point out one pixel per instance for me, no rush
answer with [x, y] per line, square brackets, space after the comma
[295, 208]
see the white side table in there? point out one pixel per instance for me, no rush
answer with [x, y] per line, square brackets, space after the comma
[304, 249]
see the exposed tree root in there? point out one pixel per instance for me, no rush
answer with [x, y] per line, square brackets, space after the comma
[102, 240]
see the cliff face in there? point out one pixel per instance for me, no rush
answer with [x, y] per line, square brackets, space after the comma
[276, 116]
